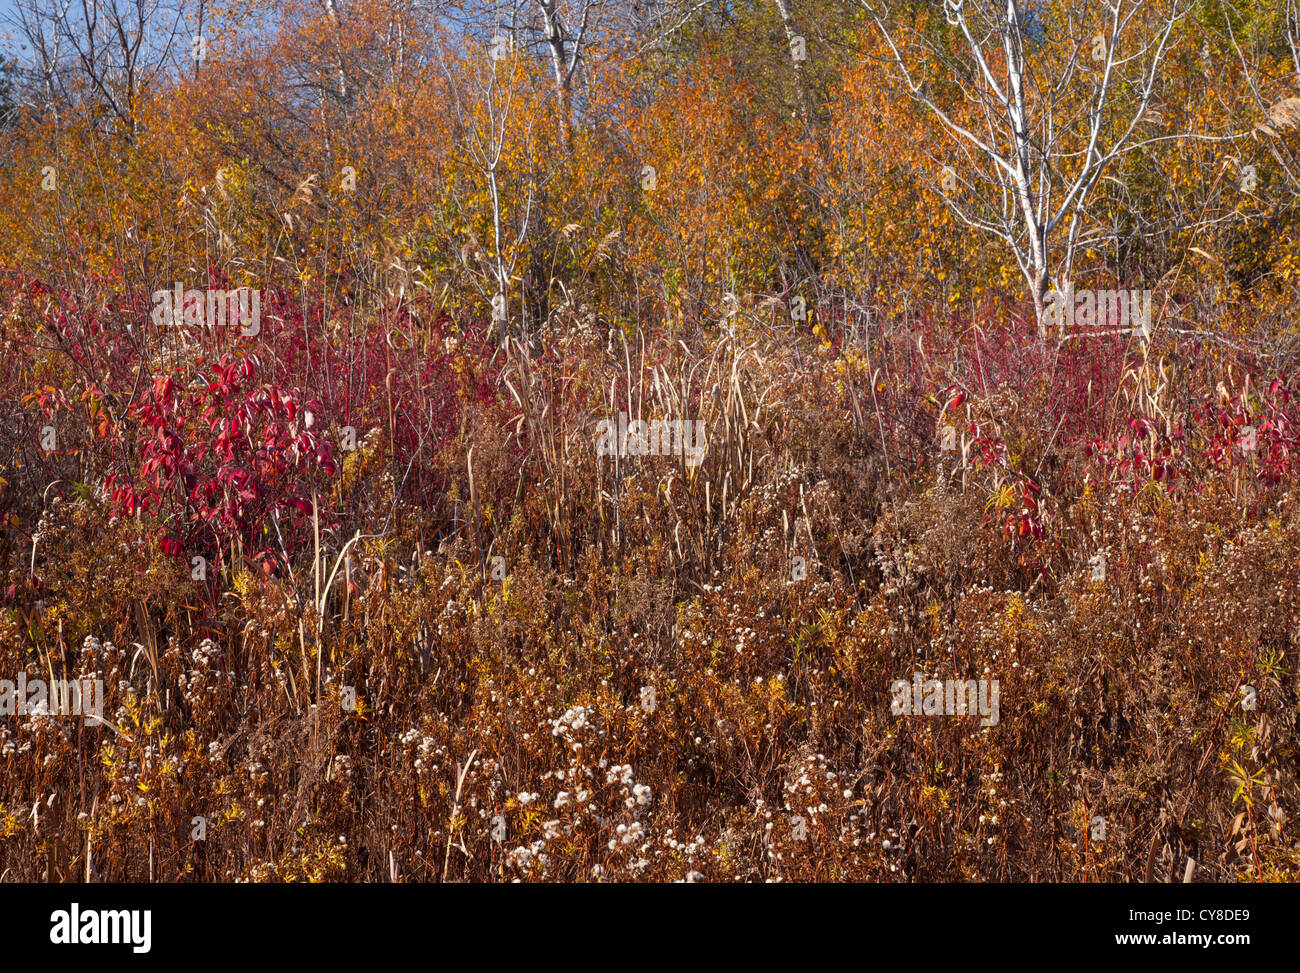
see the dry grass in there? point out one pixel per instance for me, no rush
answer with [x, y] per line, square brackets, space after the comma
[649, 692]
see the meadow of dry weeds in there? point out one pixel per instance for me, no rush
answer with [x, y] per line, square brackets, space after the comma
[529, 661]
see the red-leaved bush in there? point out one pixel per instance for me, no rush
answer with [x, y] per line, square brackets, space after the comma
[222, 454]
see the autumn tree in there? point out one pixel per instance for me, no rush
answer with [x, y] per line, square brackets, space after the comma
[1035, 104]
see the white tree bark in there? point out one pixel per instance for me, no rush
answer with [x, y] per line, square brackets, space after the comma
[1030, 175]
